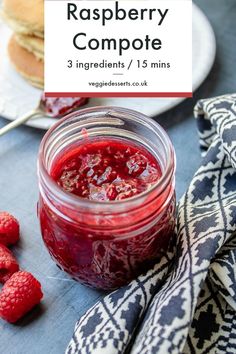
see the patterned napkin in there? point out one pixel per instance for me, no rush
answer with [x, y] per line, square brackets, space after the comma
[187, 302]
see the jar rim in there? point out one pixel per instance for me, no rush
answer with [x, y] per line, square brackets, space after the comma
[67, 197]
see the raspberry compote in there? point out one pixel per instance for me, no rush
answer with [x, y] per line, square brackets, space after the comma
[57, 107]
[107, 198]
[104, 170]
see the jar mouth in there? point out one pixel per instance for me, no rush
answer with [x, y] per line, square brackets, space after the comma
[106, 112]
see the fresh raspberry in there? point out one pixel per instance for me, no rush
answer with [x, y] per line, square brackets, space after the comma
[8, 264]
[9, 229]
[19, 295]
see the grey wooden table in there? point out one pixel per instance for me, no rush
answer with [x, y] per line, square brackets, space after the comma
[48, 328]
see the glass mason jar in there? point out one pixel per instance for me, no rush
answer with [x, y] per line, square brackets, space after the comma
[106, 244]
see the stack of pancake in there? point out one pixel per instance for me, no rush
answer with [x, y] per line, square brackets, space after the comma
[26, 46]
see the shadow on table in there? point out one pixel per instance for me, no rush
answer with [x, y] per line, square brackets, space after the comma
[31, 316]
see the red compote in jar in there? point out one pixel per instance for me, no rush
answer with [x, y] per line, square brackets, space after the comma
[107, 199]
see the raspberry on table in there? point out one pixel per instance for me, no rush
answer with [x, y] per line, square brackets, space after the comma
[8, 264]
[9, 229]
[19, 295]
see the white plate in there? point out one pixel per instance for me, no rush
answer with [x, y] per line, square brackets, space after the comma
[18, 97]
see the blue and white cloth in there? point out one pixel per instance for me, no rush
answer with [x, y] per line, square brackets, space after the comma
[187, 302]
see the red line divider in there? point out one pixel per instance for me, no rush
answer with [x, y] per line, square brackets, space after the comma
[119, 94]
